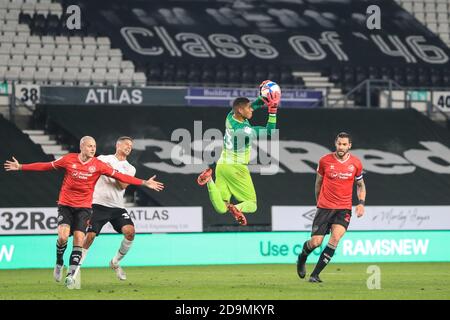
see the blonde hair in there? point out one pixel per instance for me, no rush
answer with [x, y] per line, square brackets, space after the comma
[83, 140]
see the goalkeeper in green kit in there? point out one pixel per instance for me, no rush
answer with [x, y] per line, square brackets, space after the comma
[232, 174]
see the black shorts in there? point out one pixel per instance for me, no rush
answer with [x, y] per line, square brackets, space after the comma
[118, 217]
[324, 218]
[76, 218]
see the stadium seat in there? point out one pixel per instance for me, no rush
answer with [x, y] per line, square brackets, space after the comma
[154, 72]
[3, 70]
[207, 76]
[113, 63]
[84, 77]
[180, 74]
[193, 74]
[27, 75]
[16, 61]
[13, 73]
[70, 76]
[261, 73]
[126, 64]
[4, 59]
[112, 76]
[234, 75]
[87, 62]
[44, 61]
[33, 50]
[59, 62]
[139, 78]
[56, 76]
[98, 76]
[73, 61]
[5, 48]
[20, 39]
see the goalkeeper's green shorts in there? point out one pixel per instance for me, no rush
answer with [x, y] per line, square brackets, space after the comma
[235, 180]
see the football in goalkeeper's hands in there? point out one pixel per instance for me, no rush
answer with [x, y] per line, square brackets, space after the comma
[267, 87]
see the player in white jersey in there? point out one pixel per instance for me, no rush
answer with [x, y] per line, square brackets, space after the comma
[108, 204]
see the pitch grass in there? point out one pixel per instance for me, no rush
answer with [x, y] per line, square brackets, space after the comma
[241, 282]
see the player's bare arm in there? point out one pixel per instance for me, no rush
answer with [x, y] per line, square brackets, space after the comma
[12, 165]
[153, 184]
[361, 193]
[36, 166]
[319, 180]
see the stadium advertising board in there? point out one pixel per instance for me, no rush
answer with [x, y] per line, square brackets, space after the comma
[111, 95]
[232, 248]
[16, 221]
[223, 97]
[300, 218]
[193, 96]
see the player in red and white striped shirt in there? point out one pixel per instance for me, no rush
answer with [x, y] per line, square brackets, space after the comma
[336, 175]
[82, 170]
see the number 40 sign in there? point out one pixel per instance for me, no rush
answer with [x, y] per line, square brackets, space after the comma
[442, 100]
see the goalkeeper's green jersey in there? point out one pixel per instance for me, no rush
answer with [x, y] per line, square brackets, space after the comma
[237, 141]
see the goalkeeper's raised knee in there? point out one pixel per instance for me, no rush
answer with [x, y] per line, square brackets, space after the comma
[247, 206]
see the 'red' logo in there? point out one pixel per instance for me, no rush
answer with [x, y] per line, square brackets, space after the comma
[347, 217]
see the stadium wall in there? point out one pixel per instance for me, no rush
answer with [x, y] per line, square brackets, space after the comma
[232, 248]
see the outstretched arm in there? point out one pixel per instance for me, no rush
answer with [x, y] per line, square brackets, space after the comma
[150, 183]
[37, 166]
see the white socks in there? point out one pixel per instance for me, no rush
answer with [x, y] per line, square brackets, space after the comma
[124, 247]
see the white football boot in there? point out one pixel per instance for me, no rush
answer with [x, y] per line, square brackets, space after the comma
[119, 271]
[58, 272]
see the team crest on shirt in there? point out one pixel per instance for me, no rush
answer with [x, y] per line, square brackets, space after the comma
[351, 167]
[91, 169]
[332, 167]
[74, 166]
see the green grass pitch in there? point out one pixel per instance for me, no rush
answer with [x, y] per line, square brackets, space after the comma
[240, 282]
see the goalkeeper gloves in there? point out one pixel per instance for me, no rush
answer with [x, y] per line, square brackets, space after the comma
[272, 101]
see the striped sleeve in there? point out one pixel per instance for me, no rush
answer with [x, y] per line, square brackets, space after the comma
[359, 171]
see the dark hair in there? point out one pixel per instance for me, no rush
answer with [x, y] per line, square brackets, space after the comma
[238, 102]
[344, 135]
[124, 138]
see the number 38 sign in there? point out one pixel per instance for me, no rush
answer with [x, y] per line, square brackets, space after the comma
[442, 100]
[27, 94]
